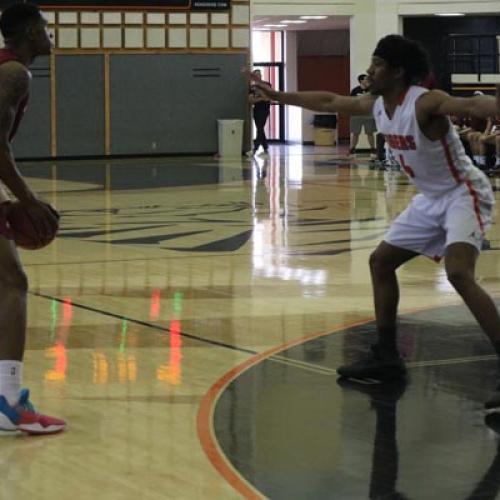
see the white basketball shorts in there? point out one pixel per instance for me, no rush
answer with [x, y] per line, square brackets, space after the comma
[428, 225]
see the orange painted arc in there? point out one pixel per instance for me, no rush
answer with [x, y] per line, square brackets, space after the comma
[207, 407]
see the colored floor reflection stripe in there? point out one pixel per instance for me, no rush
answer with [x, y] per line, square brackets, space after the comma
[154, 326]
[206, 411]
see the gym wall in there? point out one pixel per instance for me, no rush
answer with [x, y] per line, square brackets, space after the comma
[136, 82]
[323, 64]
[433, 32]
[371, 19]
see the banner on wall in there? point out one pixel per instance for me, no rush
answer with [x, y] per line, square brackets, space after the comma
[210, 4]
[136, 4]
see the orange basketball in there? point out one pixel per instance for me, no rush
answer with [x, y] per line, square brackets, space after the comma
[23, 230]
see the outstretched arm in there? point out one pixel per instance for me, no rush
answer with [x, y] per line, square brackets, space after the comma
[253, 99]
[439, 103]
[323, 101]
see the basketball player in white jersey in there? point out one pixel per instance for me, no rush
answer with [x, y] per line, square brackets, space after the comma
[449, 216]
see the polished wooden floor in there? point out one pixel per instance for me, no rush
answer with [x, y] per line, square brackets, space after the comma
[169, 309]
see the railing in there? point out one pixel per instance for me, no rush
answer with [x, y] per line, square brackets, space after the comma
[472, 54]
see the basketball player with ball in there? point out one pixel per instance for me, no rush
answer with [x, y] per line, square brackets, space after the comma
[450, 214]
[28, 221]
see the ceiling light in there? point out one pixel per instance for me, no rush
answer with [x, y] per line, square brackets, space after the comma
[275, 25]
[451, 14]
[296, 21]
[313, 17]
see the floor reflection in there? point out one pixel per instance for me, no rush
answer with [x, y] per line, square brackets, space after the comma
[385, 458]
[168, 273]
[302, 433]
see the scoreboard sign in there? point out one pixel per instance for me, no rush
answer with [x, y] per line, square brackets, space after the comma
[209, 4]
[134, 4]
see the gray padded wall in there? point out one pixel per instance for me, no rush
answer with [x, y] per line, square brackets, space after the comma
[80, 105]
[170, 103]
[33, 137]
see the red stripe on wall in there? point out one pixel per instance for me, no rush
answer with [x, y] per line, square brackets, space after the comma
[330, 73]
[273, 132]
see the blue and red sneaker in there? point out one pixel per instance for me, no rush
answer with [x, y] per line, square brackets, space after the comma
[23, 417]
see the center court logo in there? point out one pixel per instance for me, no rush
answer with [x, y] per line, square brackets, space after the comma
[218, 227]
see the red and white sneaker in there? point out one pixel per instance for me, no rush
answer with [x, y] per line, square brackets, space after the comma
[23, 417]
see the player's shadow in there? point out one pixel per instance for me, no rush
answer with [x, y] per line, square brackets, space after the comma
[385, 459]
[489, 485]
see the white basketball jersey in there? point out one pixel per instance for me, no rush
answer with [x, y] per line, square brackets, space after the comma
[435, 167]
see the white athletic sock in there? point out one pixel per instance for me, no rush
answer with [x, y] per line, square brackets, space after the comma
[11, 373]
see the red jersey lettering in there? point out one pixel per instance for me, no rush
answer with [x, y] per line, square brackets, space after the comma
[410, 141]
[401, 142]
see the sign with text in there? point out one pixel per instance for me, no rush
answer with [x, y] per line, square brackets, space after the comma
[206, 5]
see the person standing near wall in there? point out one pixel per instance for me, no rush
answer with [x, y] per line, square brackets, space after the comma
[493, 139]
[261, 108]
[360, 122]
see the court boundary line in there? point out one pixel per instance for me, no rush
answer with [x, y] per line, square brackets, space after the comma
[324, 370]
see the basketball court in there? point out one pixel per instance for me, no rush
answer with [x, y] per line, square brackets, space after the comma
[188, 320]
